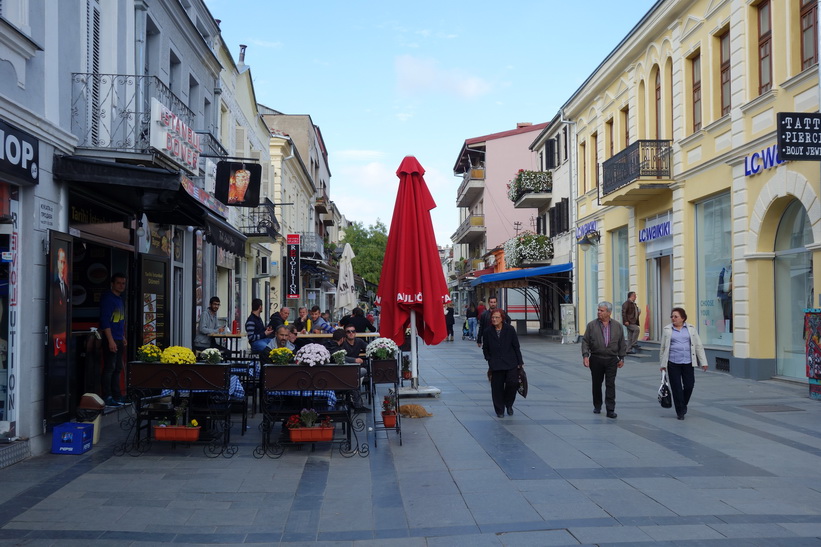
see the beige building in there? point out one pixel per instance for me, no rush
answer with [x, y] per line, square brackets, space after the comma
[681, 192]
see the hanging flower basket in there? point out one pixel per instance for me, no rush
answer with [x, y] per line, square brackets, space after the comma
[311, 434]
[176, 433]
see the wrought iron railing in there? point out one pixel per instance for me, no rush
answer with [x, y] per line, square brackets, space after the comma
[311, 244]
[113, 111]
[473, 221]
[477, 174]
[261, 221]
[642, 159]
[211, 146]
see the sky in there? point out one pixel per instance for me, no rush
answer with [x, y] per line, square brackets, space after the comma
[384, 80]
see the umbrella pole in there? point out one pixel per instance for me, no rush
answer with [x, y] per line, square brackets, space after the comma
[415, 390]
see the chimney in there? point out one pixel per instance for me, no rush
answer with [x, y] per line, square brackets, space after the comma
[218, 21]
[523, 124]
[242, 53]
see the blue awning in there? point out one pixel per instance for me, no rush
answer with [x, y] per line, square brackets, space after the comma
[519, 274]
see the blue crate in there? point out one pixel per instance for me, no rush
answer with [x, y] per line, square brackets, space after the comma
[72, 438]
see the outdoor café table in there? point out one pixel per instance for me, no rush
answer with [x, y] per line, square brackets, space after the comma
[277, 379]
[231, 342]
[148, 381]
[322, 339]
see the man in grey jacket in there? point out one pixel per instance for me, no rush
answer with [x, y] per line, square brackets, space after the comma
[209, 324]
[603, 351]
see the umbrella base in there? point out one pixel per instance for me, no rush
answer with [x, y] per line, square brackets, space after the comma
[421, 391]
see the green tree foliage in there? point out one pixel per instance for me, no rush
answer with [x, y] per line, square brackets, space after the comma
[368, 245]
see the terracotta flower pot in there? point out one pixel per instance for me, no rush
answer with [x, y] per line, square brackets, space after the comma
[176, 433]
[389, 418]
[311, 434]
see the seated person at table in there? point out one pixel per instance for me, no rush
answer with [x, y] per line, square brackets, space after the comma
[279, 318]
[209, 324]
[353, 346]
[358, 320]
[260, 337]
[282, 337]
[301, 322]
[317, 325]
[292, 332]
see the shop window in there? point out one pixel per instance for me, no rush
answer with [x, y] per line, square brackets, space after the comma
[714, 271]
[621, 268]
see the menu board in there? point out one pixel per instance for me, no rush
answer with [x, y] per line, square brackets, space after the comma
[153, 290]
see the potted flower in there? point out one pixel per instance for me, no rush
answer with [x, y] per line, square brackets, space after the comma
[303, 427]
[281, 356]
[178, 355]
[389, 410]
[149, 353]
[339, 356]
[381, 348]
[212, 356]
[312, 355]
[185, 430]
[406, 371]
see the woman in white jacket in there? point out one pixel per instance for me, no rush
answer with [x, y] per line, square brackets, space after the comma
[681, 352]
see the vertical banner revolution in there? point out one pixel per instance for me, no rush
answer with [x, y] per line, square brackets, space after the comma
[292, 268]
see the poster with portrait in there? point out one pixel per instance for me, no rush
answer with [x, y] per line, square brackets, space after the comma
[812, 341]
[238, 184]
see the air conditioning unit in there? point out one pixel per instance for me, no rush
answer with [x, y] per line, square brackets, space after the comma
[262, 266]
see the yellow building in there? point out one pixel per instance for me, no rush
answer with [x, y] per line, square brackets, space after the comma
[680, 187]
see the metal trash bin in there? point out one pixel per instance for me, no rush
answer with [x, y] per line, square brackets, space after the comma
[90, 410]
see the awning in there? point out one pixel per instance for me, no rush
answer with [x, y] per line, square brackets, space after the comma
[521, 274]
[159, 193]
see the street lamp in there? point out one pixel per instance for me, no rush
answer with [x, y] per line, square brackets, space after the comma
[590, 238]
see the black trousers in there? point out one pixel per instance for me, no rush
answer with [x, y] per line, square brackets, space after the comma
[604, 370]
[682, 380]
[112, 366]
[503, 388]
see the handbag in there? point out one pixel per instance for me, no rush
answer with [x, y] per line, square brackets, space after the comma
[522, 383]
[665, 398]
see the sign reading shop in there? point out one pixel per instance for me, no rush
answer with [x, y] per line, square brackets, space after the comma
[19, 154]
[659, 229]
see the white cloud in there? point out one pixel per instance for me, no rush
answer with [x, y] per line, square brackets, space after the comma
[403, 116]
[417, 75]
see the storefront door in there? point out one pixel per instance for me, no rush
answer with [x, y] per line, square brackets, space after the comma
[793, 290]
[659, 294]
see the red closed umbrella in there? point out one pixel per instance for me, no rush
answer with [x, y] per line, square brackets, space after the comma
[412, 284]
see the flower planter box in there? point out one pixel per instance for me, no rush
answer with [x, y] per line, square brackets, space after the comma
[384, 371]
[311, 434]
[176, 433]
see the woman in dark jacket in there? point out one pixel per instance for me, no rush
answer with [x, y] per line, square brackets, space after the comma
[449, 320]
[504, 359]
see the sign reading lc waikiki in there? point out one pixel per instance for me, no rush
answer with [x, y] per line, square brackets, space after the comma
[173, 138]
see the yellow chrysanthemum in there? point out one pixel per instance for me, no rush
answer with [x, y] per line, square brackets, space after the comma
[178, 355]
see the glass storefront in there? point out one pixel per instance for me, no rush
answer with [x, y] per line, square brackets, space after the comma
[714, 317]
[793, 289]
[591, 282]
[621, 269]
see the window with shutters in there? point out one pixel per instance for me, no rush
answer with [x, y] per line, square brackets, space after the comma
[724, 70]
[809, 33]
[625, 123]
[550, 153]
[695, 67]
[765, 58]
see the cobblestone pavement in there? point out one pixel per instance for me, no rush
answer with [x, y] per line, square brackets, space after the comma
[740, 470]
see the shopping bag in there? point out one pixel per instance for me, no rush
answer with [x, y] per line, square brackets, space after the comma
[665, 398]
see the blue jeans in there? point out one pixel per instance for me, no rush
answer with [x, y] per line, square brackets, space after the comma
[472, 327]
[262, 344]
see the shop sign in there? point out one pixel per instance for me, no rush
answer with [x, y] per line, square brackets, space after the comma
[46, 214]
[19, 154]
[799, 136]
[203, 197]
[292, 266]
[584, 229]
[173, 138]
[656, 231]
[759, 161]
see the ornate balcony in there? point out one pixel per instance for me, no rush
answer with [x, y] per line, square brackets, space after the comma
[260, 222]
[531, 189]
[528, 249]
[113, 111]
[472, 187]
[321, 204]
[311, 246]
[637, 173]
[471, 230]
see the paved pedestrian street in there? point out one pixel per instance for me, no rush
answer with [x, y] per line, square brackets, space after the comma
[742, 469]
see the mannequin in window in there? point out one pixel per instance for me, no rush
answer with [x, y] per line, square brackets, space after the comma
[725, 294]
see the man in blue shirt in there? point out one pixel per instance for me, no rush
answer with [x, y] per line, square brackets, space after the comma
[318, 324]
[112, 323]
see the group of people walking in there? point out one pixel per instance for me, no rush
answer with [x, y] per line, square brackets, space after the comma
[603, 352]
[604, 348]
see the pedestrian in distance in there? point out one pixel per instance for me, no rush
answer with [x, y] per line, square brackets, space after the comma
[630, 319]
[681, 352]
[504, 359]
[472, 315]
[449, 321]
[603, 350]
